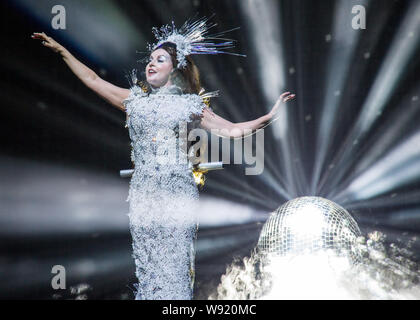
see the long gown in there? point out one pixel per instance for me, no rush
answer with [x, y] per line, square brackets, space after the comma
[163, 197]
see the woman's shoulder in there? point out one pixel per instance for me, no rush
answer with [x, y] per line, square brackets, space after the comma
[202, 96]
[205, 98]
[138, 89]
[199, 101]
[135, 92]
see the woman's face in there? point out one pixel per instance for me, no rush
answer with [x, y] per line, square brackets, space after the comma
[159, 68]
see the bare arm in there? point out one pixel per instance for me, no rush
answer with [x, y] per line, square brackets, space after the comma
[222, 127]
[106, 90]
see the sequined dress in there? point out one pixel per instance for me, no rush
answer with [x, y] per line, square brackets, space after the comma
[163, 197]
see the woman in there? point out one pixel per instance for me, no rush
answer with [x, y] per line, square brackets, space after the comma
[163, 197]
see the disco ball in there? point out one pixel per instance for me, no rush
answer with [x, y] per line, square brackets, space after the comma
[308, 224]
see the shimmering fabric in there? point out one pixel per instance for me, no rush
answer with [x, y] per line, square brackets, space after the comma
[163, 196]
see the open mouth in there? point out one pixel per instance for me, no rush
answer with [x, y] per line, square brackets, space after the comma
[151, 72]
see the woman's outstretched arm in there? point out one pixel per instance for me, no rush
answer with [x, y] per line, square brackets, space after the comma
[222, 127]
[111, 93]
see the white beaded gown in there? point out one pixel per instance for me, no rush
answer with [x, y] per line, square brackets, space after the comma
[163, 196]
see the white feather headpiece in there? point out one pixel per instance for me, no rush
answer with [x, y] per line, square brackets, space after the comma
[193, 38]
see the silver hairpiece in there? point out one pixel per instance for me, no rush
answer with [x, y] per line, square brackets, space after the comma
[193, 38]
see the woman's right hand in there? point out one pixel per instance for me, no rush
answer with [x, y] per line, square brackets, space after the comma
[48, 41]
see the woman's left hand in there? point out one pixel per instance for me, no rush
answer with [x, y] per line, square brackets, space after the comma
[284, 97]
